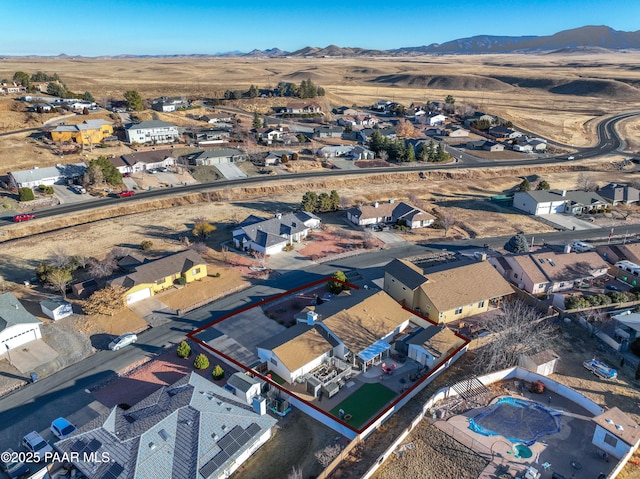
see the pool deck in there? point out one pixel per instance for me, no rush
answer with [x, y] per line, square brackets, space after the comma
[568, 452]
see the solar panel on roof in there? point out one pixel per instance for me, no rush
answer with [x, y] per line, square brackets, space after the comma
[93, 446]
[221, 457]
[225, 441]
[209, 468]
[235, 432]
[232, 449]
[253, 429]
[244, 438]
[77, 446]
[113, 472]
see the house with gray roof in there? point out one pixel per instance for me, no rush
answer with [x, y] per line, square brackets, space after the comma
[388, 213]
[546, 202]
[190, 429]
[244, 386]
[272, 235]
[216, 156]
[17, 325]
[153, 131]
[52, 175]
[146, 160]
[616, 193]
[168, 104]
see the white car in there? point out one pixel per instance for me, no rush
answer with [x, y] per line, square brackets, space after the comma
[36, 444]
[61, 428]
[122, 341]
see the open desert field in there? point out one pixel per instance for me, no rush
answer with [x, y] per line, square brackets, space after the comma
[553, 95]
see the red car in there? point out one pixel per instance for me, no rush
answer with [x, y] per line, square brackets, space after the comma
[124, 194]
[23, 217]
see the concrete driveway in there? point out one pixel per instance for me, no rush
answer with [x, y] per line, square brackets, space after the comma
[570, 222]
[67, 196]
[153, 311]
[388, 237]
[28, 357]
[231, 171]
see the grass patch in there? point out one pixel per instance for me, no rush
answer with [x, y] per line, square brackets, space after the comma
[276, 378]
[364, 403]
[205, 173]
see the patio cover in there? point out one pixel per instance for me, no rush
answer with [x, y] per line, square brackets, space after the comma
[372, 351]
[630, 320]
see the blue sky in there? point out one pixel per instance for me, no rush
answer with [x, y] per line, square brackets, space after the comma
[155, 27]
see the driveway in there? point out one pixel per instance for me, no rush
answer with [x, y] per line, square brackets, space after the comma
[231, 171]
[29, 356]
[153, 311]
[570, 222]
[66, 196]
[388, 237]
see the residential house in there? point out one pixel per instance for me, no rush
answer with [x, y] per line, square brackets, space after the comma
[303, 108]
[272, 235]
[270, 135]
[502, 133]
[360, 153]
[614, 253]
[274, 157]
[220, 117]
[41, 107]
[12, 88]
[89, 132]
[152, 277]
[80, 105]
[56, 307]
[549, 272]
[456, 132]
[298, 350]
[121, 165]
[435, 119]
[382, 105]
[336, 151]
[366, 121]
[365, 134]
[627, 271]
[448, 292]
[152, 131]
[167, 104]
[328, 132]
[211, 136]
[17, 325]
[244, 386]
[192, 428]
[431, 345]
[616, 433]
[217, 156]
[347, 121]
[345, 110]
[544, 362]
[364, 330]
[478, 116]
[391, 212]
[52, 175]
[616, 193]
[546, 202]
[148, 160]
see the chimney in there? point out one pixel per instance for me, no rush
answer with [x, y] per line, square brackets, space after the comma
[392, 201]
[312, 317]
[564, 193]
[279, 216]
[375, 205]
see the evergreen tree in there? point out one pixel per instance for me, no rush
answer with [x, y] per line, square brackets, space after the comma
[524, 186]
[21, 78]
[324, 203]
[411, 154]
[257, 122]
[253, 91]
[377, 142]
[517, 244]
[422, 154]
[543, 185]
[88, 97]
[134, 100]
[309, 202]
[431, 151]
[441, 154]
[335, 200]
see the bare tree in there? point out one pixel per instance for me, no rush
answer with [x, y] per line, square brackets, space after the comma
[344, 203]
[59, 279]
[448, 220]
[368, 238]
[101, 269]
[383, 155]
[586, 182]
[117, 253]
[296, 473]
[59, 257]
[327, 454]
[81, 260]
[518, 330]
[107, 301]
[262, 258]
[415, 200]
[198, 247]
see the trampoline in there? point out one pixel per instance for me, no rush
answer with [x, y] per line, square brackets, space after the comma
[517, 420]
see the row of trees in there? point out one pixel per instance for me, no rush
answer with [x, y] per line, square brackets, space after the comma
[397, 150]
[322, 203]
[306, 89]
[525, 185]
[55, 87]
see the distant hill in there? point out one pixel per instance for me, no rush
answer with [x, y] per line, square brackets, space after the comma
[589, 39]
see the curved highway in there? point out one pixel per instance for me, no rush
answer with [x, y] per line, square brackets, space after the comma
[608, 141]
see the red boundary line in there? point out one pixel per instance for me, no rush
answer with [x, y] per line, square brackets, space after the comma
[243, 367]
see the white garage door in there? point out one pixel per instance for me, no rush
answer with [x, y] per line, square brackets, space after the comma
[138, 296]
[19, 339]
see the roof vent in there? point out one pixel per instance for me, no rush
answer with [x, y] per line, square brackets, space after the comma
[152, 445]
[608, 421]
[619, 427]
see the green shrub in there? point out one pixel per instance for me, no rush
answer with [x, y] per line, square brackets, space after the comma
[217, 275]
[201, 361]
[218, 372]
[26, 194]
[181, 281]
[47, 190]
[146, 245]
[184, 350]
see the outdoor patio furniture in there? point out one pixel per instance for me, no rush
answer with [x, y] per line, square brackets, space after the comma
[546, 465]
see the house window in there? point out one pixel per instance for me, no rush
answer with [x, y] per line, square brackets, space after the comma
[160, 281]
[609, 439]
[274, 362]
[481, 304]
[458, 310]
[515, 275]
[195, 271]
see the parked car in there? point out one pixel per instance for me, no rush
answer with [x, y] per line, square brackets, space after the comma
[127, 193]
[36, 444]
[127, 175]
[78, 189]
[570, 158]
[13, 469]
[122, 341]
[62, 428]
[612, 287]
[23, 217]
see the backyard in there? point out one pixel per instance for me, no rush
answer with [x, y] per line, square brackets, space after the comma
[360, 407]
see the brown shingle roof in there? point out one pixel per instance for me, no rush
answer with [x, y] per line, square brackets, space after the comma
[468, 284]
[365, 323]
[628, 429]
[303, 349]
[159, 269]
